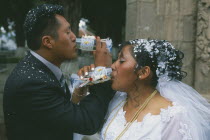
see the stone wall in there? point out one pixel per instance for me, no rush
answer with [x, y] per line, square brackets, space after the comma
[202, 67]
[183, 23]
[3, 76]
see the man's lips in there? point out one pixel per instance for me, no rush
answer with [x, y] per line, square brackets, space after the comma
[75, 46]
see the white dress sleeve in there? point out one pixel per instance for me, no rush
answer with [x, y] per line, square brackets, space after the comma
[176, 126]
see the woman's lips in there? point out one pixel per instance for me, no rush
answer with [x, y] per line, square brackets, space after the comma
[112, 77]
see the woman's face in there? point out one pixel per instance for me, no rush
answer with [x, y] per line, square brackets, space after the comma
[123, 75]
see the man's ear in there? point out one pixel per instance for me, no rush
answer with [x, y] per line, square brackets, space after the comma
[48, 41]
[144, 73]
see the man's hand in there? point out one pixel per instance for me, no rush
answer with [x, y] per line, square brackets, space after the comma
[102, 57]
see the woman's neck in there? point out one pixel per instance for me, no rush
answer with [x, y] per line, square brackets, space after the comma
[138, 96]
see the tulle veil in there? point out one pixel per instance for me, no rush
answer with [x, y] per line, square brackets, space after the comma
[197, 108]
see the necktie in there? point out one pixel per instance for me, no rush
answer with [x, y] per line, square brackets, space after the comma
[63, 83]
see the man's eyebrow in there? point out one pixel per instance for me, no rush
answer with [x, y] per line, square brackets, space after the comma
[68, 27]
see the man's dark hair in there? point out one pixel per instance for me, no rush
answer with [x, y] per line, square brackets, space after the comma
[41, 21]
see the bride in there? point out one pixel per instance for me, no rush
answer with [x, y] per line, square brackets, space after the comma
[151, 102]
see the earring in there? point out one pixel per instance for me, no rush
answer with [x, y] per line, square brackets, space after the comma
[139, 76]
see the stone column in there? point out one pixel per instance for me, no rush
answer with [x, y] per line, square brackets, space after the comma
[202, 75]
[131, 18]
[172, 20]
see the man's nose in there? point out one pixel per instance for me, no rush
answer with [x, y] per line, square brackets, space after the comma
[73, 37]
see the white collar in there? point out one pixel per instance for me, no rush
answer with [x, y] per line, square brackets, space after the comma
[56, 70]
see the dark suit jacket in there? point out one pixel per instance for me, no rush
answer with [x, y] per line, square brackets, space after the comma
[36, 107]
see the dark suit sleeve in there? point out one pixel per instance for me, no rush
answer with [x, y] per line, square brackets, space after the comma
[49, 108]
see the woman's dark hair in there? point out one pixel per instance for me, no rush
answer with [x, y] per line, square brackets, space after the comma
[162, 58]
[41, 21]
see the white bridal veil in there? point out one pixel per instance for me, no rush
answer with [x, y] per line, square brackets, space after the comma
[197, 108]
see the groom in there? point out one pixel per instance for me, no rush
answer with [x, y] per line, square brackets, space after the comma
[37, 102]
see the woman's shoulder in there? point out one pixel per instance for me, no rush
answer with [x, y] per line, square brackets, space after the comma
[174, 112]
[166, 109]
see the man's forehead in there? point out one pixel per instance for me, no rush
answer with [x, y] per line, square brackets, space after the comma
[63, 21]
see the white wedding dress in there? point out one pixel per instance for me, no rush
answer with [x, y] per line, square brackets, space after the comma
[187, 119]
[171, 124]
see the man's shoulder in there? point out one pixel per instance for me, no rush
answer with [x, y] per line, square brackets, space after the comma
[25, 67]
[29, 71]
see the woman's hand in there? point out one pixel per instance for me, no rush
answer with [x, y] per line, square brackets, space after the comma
[80, 93]
[83, 72]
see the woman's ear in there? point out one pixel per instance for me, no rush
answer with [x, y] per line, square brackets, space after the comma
[47, 42]
[144, 73]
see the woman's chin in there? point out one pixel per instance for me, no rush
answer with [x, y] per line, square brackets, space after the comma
[114, 87]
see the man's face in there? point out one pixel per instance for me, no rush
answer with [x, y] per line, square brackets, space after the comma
[65, 45]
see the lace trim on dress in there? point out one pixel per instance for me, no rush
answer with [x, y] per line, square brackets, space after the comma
[167, 114]
[170, 111]
[185, 132]
[120, 122]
